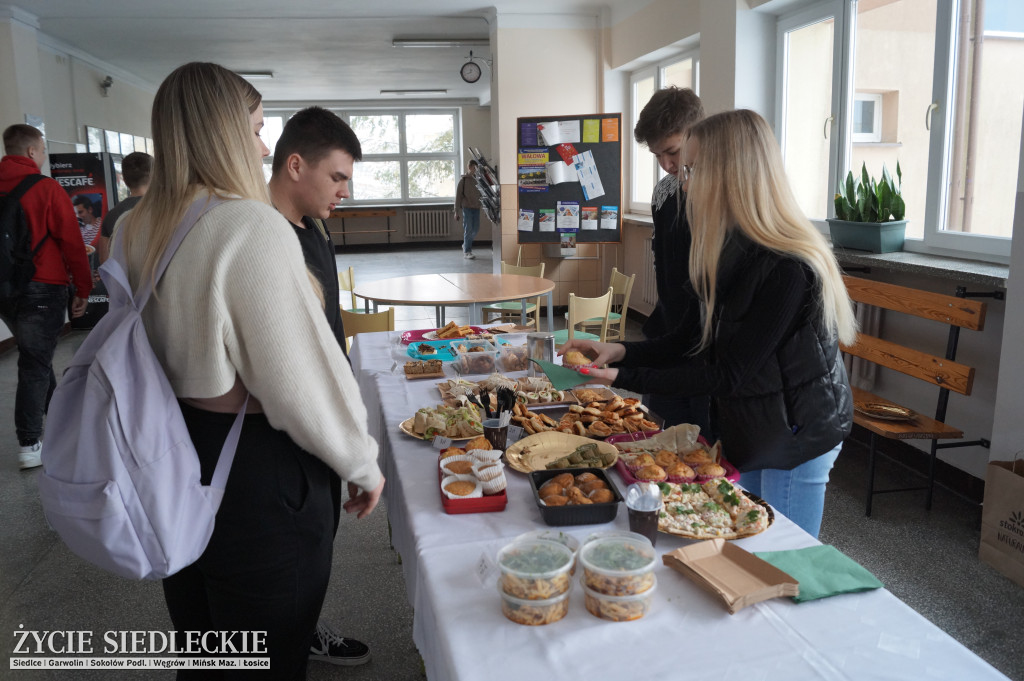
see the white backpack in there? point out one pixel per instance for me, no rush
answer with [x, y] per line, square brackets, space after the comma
[120, 480]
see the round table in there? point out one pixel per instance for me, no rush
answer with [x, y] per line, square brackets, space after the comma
[474, 290]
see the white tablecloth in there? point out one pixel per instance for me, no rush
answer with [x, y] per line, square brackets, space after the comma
[462, 634]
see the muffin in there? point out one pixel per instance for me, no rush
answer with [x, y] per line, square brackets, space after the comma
[644, 459]
[460, 487]
[652, 473]
[710, 470]
[665, 458]
[452, 451]
[695, 457]
[458, 467]
[479, 442]
[680, 470]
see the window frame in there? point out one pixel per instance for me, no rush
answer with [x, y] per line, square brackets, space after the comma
[875, 136]
[936, 239]
[403, 156]
[638, 152]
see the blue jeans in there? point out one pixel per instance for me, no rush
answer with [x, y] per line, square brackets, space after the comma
[470, 226]
[798, 494]
[35, 318]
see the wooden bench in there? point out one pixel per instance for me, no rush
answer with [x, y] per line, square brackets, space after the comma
[944, 372]
[344, 214]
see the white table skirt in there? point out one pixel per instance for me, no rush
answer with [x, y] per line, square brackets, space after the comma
[461, 632]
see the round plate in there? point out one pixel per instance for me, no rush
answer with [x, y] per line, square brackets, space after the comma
[406, 427]
[738, 535]
[884, 412]
[533, 453]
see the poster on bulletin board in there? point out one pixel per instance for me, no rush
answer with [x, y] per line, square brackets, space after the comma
[569, 179]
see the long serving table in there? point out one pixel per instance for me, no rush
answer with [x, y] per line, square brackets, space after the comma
[461, 632]
[459, 288]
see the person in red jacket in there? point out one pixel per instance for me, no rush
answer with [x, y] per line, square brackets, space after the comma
[36, 315]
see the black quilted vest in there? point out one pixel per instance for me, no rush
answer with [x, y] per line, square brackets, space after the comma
[799, 405]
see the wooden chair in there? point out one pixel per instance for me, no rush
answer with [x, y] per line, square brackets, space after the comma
[510, 311]
[943, 372]
[622, 287]
[367, 322]
[585, 310]
[347, 282]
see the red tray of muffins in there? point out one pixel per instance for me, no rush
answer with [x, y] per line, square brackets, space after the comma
[488, 503]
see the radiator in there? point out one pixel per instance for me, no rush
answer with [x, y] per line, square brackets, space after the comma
[650, 292]
[426, 223]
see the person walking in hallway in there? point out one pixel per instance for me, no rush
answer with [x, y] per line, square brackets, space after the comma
[467, 209]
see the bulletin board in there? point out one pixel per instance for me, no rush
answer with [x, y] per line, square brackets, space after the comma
[550, 190]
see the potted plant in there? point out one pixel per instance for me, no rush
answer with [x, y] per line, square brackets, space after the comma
[869, 214]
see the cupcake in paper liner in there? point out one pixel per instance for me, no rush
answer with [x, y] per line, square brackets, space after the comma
[495, 485]
[461, 487]
[488, 470]
[460, 464]
[680, 473]
[485, 455]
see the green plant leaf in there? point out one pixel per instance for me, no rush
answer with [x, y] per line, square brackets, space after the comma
[899, 208]
[884, 199]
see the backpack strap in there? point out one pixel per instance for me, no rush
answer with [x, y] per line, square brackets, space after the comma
[15, 196]
[198, 209]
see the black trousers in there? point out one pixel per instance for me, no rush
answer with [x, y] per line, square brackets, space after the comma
[269, 559]
[35, 318]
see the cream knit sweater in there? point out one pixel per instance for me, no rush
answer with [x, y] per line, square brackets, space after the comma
[236, 301]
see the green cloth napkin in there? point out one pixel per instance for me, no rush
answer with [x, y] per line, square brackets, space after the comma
[822, 571]
[561, 377]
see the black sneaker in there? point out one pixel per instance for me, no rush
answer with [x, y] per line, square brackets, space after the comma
[327, 646]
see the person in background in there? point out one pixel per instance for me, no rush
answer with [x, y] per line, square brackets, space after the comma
[136, 169]
[312, 168]
[764, 341]
[237, 314]
[662, 126]
[467, 209]
[88, 219]
[36, 315]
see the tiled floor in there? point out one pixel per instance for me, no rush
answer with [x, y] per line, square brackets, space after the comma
[928, 559]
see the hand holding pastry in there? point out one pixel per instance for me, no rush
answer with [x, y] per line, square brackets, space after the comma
[602, 353]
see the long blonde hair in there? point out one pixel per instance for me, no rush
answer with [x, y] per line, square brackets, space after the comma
[202, 137]
[739, 182]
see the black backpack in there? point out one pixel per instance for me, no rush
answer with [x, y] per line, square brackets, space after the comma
[16, 252]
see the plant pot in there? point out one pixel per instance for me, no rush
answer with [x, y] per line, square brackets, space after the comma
[874, 237]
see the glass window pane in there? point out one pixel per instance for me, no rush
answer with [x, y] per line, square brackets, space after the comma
[113, 142]
[95, 138]
[904, 31]
[127, 143]
[377, 134]
[373, 180]
[679, 74]
[149, 146]
[808, 105]
[271, 132]
[431, 179]
[983, 173]
[426, 133]
[643, 163]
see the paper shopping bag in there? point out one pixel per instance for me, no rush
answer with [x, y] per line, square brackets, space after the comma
[1002, 519]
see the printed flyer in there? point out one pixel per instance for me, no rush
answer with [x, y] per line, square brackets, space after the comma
[558, 172]
[588, 217]
[533, 179]
[609, 217]
[567, 241]
[589, 178]
[557, 132]
[525, 223]
[546, 220]
[568, 215]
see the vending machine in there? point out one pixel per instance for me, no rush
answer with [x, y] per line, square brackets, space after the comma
[94, 185]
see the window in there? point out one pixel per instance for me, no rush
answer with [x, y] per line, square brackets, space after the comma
[645, 172]
[931, 84]
[867, 118]
[408, 156]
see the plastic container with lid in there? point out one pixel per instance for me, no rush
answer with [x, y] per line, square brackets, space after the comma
[535, 569]
[534, 613]
[557, 536]
[618, 565]
[474, 356]
[618, 608]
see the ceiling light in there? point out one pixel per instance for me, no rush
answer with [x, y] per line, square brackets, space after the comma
[256, 75]
[415, 92]
[440, 42]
